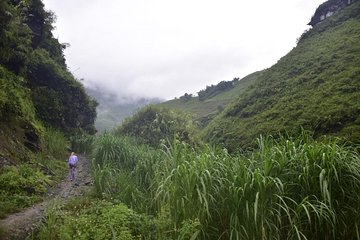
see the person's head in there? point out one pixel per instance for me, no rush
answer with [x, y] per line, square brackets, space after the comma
[72, 153]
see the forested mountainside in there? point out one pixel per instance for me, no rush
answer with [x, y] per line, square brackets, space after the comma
[316, 86]
[37, 91]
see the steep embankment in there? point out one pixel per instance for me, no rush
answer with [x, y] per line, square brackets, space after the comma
[37, 89]
[22, 224]
[315, 86]
[41, 103]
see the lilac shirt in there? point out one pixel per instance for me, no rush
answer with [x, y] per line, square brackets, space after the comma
[73, 160]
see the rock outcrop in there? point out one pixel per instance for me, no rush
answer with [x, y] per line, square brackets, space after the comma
[327, 9]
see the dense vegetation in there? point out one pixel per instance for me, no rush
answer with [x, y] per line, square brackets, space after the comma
[40, 104]
[29, 51]
[290, 188]
[24, 183]
[154, 179]
[153, 126]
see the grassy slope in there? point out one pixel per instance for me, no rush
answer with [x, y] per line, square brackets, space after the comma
[204, 111]
[316, 86]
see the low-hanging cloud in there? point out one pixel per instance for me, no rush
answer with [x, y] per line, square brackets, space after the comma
[164, 48]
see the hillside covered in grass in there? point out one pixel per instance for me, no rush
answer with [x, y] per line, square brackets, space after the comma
[316, 86]
[212, 100]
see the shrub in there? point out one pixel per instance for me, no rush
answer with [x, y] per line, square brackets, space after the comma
[97, 219]
[153, 125]
[20, 187]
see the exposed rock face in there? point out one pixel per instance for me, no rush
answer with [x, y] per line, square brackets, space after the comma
[327, 9]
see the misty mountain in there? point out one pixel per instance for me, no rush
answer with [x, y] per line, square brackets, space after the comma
[112, 109]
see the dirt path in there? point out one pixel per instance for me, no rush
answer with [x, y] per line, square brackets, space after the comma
[22, 224]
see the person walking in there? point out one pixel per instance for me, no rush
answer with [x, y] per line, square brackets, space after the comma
[73, 161]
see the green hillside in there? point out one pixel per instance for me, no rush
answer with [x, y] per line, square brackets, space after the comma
[316, 86]
[41, 105]
[205, 109]
[153, 125]
[29, 51]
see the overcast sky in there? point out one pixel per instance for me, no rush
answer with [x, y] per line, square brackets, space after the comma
[165, 48]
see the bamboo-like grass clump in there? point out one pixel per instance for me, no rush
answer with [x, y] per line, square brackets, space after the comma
[286, 188]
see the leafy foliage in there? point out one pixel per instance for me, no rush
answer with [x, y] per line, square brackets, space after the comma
[21, 187]
[15, 37]
[82, 142]
[60, 100]
[125, 170]
[154, 125]
[14, 98]
[28, 49]
[98, 219]
[36, 91]
[25, 183]
[135, 186]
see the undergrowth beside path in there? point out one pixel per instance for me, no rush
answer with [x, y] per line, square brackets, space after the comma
[23, 224]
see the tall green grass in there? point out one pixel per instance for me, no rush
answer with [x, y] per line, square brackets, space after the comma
[287, 188]
[53, 160]
[125, 170]
[56, 143]
[115, 151]
[49, 229]
[293, 188]
[82, 143]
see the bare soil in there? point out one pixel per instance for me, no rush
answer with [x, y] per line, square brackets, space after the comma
[22, 224]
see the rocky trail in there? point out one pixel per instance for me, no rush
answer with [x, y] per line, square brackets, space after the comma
[22, 224]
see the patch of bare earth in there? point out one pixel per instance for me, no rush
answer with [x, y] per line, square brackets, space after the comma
[21, 225]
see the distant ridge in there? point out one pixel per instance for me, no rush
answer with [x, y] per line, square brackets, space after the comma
[111, 111]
